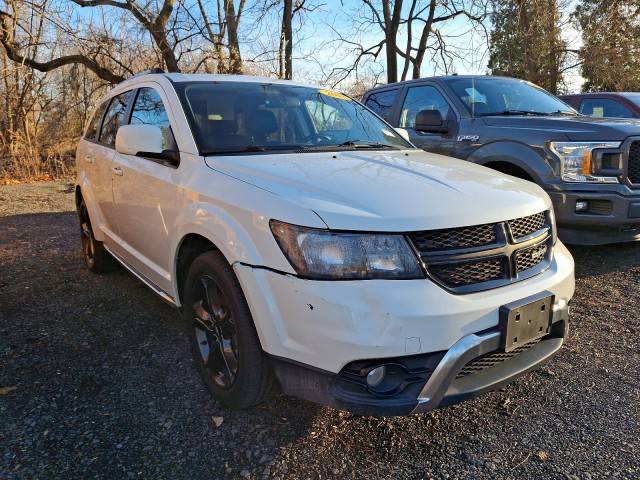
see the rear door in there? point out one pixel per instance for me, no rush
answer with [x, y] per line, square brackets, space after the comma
[427, 97]
[100, 157]
[146, 195]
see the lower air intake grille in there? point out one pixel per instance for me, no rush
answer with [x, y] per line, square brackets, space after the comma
[491, 360]
[468, 273]
[634, 163]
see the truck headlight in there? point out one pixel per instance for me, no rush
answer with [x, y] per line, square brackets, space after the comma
[576, 161]
[326, 255]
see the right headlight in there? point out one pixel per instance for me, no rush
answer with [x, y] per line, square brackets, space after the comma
[576, 161]
[325, 255]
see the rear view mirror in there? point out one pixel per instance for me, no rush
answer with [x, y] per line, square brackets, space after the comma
[150, 141]
[430, 121]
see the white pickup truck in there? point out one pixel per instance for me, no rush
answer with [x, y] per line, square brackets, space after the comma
[310, 247]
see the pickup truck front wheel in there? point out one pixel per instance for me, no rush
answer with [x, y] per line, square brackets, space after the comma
[223, 339]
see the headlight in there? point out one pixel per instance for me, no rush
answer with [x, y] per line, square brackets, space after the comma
[326, 255]
[576, 160]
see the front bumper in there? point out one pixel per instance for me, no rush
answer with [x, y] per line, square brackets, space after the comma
[611, 218]
[320, 332]
[445, 380]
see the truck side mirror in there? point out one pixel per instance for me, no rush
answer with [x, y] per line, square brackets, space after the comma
[148, 141]
[431, 121]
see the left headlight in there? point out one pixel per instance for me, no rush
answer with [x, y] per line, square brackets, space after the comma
[326, 255]
[577, 162]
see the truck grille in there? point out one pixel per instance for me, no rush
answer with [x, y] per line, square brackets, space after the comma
[633, 171]
[480, 257]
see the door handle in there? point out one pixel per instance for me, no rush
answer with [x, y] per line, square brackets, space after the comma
[117, 171]
[88, 158]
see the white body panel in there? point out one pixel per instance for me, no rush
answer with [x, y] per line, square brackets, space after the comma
[144, 214]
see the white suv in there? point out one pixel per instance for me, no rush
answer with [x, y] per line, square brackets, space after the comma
[310, 247]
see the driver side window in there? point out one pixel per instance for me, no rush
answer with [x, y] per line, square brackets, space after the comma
[422, 98]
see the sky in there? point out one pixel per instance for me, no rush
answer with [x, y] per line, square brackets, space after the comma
[317, 50]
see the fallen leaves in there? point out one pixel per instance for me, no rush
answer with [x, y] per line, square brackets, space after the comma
[4, 391]
[217, 421]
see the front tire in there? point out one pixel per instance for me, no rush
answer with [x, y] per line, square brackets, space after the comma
[222, 335]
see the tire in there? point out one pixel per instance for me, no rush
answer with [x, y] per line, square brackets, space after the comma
[95, 256]
[235, 370]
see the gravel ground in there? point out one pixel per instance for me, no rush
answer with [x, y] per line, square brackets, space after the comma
[105, 386]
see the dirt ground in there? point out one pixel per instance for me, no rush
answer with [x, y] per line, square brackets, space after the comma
[105, 386]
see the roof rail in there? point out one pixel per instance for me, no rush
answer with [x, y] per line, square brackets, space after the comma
[148, 71]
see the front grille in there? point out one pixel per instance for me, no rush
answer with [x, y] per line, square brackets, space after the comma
[492, 359]
[521, 227]
[634, 163]
[468, 273]
[530, 257]
[450, 238]
[479, 257]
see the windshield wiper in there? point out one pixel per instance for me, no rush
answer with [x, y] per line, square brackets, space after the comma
[247, 149]
[359, 144]
[513, 112]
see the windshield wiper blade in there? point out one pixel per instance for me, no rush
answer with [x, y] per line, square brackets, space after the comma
[247, 149]
[359, 144]
[513, 112]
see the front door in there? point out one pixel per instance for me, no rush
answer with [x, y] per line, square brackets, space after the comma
[147, 198]
[427, 97]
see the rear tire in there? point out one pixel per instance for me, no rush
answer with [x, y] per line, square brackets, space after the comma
[95, 256]
[222, 335]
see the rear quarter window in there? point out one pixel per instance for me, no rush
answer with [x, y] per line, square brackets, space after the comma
[94, 124]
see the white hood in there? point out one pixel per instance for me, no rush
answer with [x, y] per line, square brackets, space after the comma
[396, 191]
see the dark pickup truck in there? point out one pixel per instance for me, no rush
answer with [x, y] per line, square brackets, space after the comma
[590, 167]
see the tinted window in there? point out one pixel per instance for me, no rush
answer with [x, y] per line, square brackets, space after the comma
[495, 96]
[422, 98]
[94, 125]
[149, 109]
[382, 103]
[230, 117]
[114, 117]
[604, 107]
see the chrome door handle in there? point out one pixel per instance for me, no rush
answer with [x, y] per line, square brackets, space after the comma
[88, 158]
[117, 171]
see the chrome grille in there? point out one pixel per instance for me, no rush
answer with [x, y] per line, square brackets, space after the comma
[450, 238]
[480, 257]
[521, 227]
[530, 257]
[467, 273]
[633, 171]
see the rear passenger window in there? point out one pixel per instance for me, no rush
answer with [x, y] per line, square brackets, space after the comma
[114, 118]
[94, 125]
[382, 103]
[422, 98]
[149, 109]
[604, 107]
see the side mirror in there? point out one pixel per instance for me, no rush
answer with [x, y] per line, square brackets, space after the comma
[430, 121]
[403, 133]
[150, 141]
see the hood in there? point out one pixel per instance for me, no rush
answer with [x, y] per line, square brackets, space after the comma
[392, 191]
[577, 128]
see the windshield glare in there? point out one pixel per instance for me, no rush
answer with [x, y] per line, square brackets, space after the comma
[495, 96]
[236, 117]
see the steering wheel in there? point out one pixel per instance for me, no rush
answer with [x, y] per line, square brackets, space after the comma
[317, 138]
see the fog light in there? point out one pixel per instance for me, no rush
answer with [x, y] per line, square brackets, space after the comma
[582, 206]
[376, 375]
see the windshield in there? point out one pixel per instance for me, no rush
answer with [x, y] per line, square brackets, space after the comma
[243, 117]
[506, 96]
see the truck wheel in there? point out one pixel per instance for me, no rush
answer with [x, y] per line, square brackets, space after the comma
[223, 339]
[96, 258]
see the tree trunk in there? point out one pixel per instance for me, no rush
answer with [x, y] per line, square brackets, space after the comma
[286, 42]
[235, 59]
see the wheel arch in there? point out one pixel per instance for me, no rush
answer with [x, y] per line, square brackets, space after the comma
[515, 158]
[189, 248]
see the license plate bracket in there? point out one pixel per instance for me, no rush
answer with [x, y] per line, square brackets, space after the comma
[526, 320]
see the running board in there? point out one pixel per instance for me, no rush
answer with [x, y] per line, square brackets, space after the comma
[158, 291]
